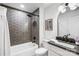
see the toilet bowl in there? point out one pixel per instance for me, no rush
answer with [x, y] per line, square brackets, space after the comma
[41, 52]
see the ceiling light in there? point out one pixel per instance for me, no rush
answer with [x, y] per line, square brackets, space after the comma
[72, 6]
[22, 6]
[62, 9]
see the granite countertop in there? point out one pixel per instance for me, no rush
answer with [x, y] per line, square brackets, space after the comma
[73, 48]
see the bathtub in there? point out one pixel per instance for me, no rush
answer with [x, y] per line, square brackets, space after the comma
[26, 49]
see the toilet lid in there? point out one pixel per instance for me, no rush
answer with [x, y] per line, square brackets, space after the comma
[41, 51]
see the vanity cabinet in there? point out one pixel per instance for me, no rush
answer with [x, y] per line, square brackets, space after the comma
[57, 51]
[50, 52]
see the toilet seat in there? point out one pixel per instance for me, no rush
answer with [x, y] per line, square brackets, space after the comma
[41, 52]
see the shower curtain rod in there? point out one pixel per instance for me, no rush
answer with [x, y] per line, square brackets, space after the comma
[17, 9]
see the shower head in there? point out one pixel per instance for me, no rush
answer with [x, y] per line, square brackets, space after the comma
[29, 15]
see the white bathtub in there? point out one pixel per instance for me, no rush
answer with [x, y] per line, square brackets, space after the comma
[26, 49]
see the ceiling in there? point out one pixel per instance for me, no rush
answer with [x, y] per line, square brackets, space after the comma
[30, 7]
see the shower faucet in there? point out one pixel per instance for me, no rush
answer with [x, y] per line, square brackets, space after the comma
[34, 39]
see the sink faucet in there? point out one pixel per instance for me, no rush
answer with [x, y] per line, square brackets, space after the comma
[66, 36]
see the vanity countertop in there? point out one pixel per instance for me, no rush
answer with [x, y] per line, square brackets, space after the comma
[70, 47]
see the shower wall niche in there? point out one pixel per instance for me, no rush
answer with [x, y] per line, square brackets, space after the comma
[35, 27]
[19, 27]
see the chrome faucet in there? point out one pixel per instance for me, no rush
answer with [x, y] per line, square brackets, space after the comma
[66, 36]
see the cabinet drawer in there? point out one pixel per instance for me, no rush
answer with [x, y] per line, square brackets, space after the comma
[51, 53]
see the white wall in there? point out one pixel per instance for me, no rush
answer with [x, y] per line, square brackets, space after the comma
[41, 25]
[51, 12]
[48, 12]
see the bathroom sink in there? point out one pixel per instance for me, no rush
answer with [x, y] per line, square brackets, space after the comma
[62, 43]
[66, 45]
[67, 39]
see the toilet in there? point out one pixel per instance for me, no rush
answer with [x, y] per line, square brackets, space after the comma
[41, 52]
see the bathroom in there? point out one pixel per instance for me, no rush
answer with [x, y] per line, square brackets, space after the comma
[39, 29]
